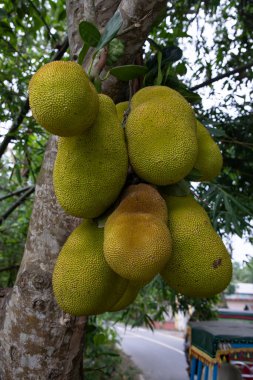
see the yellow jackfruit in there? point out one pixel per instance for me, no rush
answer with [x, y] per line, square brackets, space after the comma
[121, 108]
[143, 198]
[83, 283]
[161, 139]
[209, 158]
[137, 243]
[91, 169]
[128, 296]
[62, 98]
[200, 265]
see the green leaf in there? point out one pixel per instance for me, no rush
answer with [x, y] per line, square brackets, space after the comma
[227, 204]
[179, 189]
[83, 53]
[18, 174]
[159, 77]
[111, 29]
[181, 69]
[216, 206]
[215, 131]
[128, 72]
[3, 13]
[99, 339]
[194, 175]
[89, 33]
[98, 85]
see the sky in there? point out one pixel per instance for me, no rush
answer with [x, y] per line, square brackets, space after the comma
[241, 249]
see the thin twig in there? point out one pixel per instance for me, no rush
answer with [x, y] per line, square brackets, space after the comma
[25, 107]
[222, 76]
[196, 14]
[42, 19]
[243, 143]
[100, 64]
[11, 267]
[15, 193]
[137, 24]
[16, 204]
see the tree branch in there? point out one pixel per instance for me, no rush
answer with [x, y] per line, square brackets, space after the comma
[16, 204]
[20, 191]
[243, 143]
[89, 10]
[222, 76]
[25, 107]
[11, 267]
[138, 16]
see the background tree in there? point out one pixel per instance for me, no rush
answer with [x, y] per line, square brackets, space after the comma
[36, 336]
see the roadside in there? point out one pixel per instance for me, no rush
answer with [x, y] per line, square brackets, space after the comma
[159, 354]
[128, 369]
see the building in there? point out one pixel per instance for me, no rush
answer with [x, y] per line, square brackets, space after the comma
[242, 298]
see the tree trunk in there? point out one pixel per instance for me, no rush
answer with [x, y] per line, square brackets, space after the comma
[37, 340]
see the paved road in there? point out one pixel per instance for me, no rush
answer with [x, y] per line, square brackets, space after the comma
[159, 355]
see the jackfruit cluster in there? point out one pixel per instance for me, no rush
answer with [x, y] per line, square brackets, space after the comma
[155, 139]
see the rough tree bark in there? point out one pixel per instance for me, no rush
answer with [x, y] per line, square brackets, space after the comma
[37, 340]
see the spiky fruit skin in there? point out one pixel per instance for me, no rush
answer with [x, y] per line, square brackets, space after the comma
[200, 265]
[160, 92]
[62, 98]
[128, 297]
[161, 139]
[143, 198]
[137, 242]
[209, 159]
[83, 283]
[136, 246]
[121, 108]
[91, 169]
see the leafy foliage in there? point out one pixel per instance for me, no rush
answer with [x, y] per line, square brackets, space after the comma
[103, 360]
[243, 273]
[28, 39]
[156, 301]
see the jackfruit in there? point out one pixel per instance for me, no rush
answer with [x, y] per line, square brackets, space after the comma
[209, 158]
[161, 139]
[62, 98]
[143, 198]
[128, 296]
[137, 243]
[121, 108]
[91, 169]
[83, 283]
[200, 265]
[161, 92]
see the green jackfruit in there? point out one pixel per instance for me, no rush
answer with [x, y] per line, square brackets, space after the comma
[62, 98]
[161, 92]
[161, 139]
[83, 283]
[128, 296]
[200, 265]
[137, 242]
[209, 158]
[91, 169]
